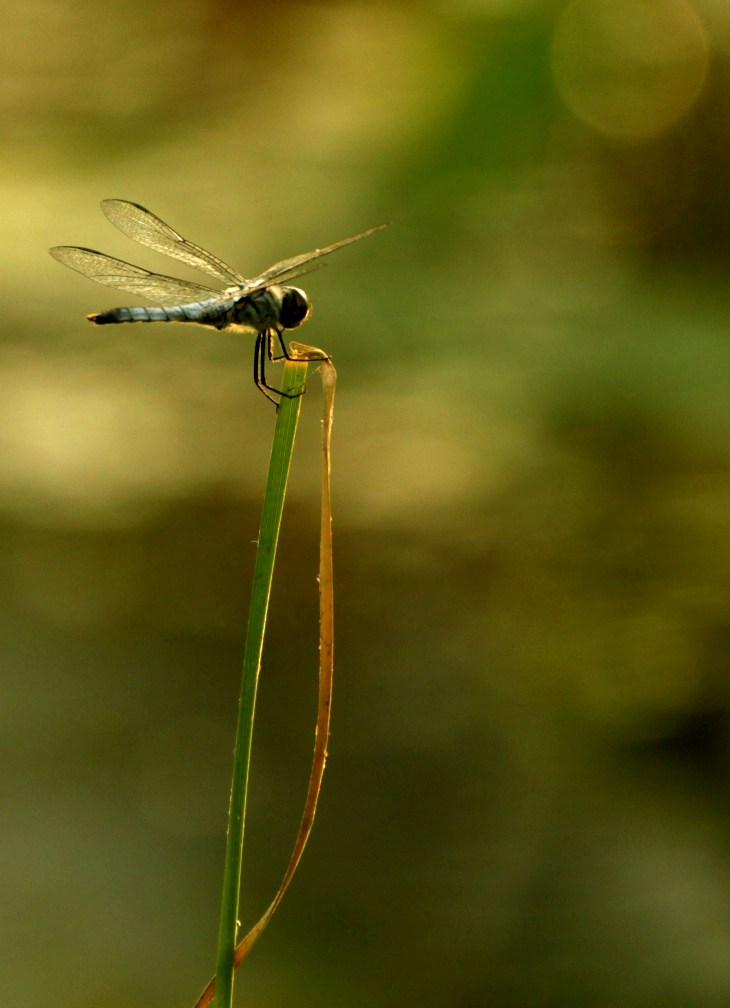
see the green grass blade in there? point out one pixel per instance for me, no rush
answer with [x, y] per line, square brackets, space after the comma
[279, 465]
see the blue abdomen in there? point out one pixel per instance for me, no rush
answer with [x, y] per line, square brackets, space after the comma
[216, 314]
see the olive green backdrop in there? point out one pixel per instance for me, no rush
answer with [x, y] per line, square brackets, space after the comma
[526, 797]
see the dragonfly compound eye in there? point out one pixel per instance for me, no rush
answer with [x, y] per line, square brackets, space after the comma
[294, 308]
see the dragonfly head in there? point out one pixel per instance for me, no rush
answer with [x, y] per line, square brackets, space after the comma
[295, 308]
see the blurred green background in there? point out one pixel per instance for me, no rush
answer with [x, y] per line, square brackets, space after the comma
[526, 797]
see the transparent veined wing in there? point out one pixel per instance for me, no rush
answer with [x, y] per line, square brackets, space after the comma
[148, 229]
[104, 269]
[297, 265]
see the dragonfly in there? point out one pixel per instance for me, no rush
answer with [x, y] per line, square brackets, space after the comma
[263, 304]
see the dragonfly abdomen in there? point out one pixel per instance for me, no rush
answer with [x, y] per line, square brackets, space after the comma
[199, 312]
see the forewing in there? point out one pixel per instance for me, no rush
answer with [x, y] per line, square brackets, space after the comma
[167, 291]
[288, 269]
[146, 228]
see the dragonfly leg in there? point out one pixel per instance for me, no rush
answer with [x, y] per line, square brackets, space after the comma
[284, 355]
[263, 348]
[285, 350]
[259, 376]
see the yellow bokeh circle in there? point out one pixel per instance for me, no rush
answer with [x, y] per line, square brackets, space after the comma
[630, 68]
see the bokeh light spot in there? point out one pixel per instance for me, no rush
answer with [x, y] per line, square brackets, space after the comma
[630, 69]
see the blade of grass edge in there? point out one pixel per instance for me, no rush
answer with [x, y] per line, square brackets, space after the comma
[326, 671]
[279, 465]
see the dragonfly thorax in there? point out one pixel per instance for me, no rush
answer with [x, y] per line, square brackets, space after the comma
[272, 308]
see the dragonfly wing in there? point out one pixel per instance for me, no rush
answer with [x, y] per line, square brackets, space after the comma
[104, 269]
[288, 269]
[146, 228]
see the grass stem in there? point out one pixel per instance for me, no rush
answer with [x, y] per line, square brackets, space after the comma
[279, 465]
